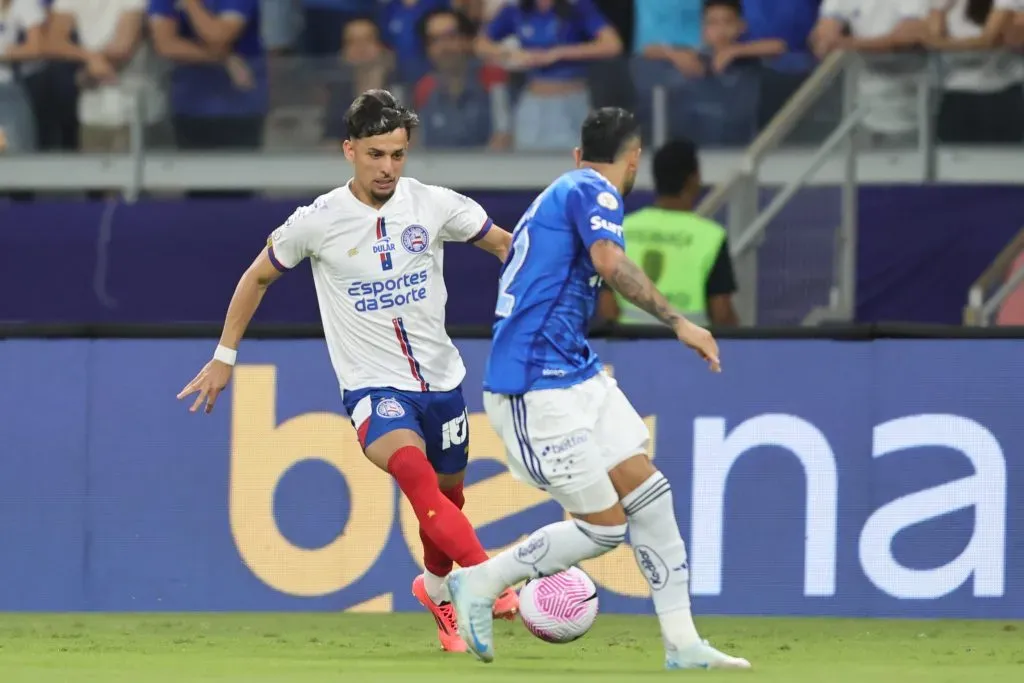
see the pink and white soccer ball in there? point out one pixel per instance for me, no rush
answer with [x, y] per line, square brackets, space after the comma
[559, 608]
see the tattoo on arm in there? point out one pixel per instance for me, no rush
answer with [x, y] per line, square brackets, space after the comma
[632, 283]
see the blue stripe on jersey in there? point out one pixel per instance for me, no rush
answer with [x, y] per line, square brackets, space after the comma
[414, 365]
[529, 456]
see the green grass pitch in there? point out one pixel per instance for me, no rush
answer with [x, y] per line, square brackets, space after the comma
[314, 648]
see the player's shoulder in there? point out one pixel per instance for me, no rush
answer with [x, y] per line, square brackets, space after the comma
[317, 211]
[594, 187]
[439, 196]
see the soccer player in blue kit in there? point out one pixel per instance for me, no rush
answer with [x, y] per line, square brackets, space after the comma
[568, 428]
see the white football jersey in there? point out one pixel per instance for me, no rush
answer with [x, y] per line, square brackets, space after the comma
[379, 281]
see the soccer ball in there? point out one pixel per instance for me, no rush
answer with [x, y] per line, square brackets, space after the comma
[559, 608]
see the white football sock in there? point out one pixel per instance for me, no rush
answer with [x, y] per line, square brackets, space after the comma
[661, 555]
[550, 550]
[437, 589]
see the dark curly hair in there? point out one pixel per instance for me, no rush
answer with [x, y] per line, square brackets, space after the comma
[376, 112]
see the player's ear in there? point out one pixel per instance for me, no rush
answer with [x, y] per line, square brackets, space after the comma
[350, 151]
[577, 156]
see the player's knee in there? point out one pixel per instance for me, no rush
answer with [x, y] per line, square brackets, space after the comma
[611, 517]
[606, 537]
[631, 474]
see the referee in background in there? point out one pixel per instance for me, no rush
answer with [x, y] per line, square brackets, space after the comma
[684, 254]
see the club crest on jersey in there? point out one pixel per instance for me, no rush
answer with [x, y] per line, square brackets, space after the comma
[389, 407]
[415, 239]
[608, 201]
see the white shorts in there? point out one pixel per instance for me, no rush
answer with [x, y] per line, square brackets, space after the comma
[565, 441]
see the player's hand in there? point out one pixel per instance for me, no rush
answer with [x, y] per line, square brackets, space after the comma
[210, 381]
[701, 341]
[240, 73]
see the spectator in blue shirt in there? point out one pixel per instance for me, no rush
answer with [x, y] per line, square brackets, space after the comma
[720, 107]
[792, 21]
[556, 40]
[219, 81]
[461, 102]
[324, 20]
[666, 40]
[400, 21]
[667, 23]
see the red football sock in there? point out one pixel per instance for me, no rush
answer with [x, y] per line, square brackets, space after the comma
[434, 559]
[440, 520]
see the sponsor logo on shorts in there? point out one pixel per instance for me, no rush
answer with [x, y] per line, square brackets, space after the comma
[534, 548]
[415, 239]
[653, 567]
[566, 444]
[454, 432]
[389, 407]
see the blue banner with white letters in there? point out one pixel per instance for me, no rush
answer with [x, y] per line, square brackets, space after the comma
[879, 478]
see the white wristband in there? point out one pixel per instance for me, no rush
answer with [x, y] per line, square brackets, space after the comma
[225, 355]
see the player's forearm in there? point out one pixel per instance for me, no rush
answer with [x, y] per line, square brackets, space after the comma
[627, 278]
[244, 302]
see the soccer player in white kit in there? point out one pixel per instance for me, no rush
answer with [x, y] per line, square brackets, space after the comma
[568, 428]
[376, 247]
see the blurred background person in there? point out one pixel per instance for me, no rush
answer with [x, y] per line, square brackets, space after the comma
[556, 40]
[322, 23]
[219, 80]
[666, 40]
[720, 107]
[400, 22]
[982, 100]
[21, 40]
[792, 22]
[281, 26]
[891, 79]
[365, 65]
[53, 93]
[461, 101]
[684, 254]
[119, 78]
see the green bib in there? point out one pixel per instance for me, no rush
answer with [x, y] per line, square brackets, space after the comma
[677, 250]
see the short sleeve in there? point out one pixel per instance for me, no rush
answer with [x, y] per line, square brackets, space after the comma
[503, 24]
[162, 8]
[298, 238]
[590, 18]
[243, 8]
[464, 219]
[597, 214]
[32, 14]
[835, 9]
[63, 6]
[915, 9]
[721, 279]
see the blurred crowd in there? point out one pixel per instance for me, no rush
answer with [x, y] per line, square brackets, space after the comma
[503, 74]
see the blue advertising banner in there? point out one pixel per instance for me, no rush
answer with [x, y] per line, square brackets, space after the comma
[162, 261]
[811, 477]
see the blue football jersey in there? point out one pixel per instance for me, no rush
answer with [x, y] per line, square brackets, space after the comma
[548, 289]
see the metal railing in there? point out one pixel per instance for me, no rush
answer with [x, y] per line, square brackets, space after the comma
[981, 306]
[740, 194]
